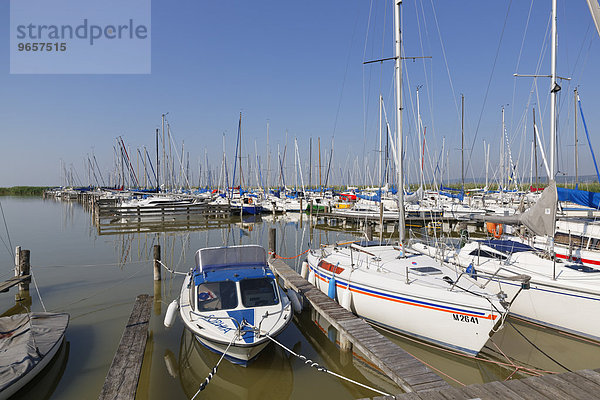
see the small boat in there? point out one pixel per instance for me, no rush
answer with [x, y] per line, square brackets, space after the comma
[231, 301]
[28, 342]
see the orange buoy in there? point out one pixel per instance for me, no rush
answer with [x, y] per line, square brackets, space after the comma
[495, 229]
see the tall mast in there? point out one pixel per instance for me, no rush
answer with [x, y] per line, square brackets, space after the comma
[399, 139]
[576, 141]
[462, 145]
[553, 91]
[268, 159]
[310, 163]
[320, 183]
[535, 150]
[504, 167]
[380, 130]
[157, 164]
[421, 140]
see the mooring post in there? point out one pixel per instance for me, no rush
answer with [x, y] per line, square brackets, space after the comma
[273, 241]
[24, 268]
[157, 262]
[17, 258]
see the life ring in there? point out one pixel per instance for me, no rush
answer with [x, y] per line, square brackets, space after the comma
[495, 229]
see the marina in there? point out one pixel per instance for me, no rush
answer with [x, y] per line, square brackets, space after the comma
[248, 222]
[347, 336]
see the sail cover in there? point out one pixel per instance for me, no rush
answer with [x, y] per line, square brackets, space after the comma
[541, 217]
[581, 197]
[595, 11]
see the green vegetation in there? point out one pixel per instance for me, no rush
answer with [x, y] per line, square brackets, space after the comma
[23, 191]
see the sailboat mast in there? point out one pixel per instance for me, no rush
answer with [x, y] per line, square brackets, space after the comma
[576, 141]
[380, 149]
[399, 139]
[462, 141]
[553, 91]
[535, 150]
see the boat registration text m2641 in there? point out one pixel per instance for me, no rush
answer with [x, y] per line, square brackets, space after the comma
[465, 318]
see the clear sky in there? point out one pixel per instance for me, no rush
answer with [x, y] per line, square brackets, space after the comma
[298, 66]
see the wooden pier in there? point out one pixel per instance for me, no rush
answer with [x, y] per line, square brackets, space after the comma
[15, 280]
[579, 385]
[124, 373]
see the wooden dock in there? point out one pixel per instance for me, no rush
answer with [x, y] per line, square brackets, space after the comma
[124, 373]
[583, 384]
[15, 280]
[408, 373]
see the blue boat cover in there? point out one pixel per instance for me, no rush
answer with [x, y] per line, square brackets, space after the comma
[459, 195]
[581, 197]
[507, 246]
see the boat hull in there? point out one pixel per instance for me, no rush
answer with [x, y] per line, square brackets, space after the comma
[410, 310]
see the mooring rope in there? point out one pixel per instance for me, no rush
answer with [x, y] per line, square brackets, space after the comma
[290, 258]
[213, 371]
[37, 290]
[170, 270]
[320, 368]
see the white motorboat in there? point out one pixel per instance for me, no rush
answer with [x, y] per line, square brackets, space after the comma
[231, 301]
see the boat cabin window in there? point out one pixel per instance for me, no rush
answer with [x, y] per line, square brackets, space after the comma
[213, 296]
[258, 292]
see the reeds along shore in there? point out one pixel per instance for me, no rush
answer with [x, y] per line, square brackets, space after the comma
[23, 190]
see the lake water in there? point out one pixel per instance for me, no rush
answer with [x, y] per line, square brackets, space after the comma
[95, 277]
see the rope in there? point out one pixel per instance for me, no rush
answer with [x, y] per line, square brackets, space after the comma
[213, 371]
[102, 291]
[7, 233]
[537, 348]
[290, 258]
[170, 270]
[37, 290]
[531, 371]
[93, 265]
[320, 368]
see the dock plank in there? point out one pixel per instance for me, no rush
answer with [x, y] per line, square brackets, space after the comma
[590, 375]
[15, 280]
[545, 388]
[502, 391]
[123, 376]
[579, 391]
[526, 391]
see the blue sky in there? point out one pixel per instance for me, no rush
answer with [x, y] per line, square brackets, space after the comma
[299, 66]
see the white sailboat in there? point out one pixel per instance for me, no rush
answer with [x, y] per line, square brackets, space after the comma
[402, 289]
[564, 293]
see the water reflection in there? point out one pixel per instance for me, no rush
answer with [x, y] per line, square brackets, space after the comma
[268, 377]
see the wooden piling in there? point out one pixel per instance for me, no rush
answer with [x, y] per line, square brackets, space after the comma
[17, 258]
[157, 262]
[24, 268]
[273, 241]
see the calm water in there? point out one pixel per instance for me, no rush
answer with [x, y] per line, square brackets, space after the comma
[95, 276]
